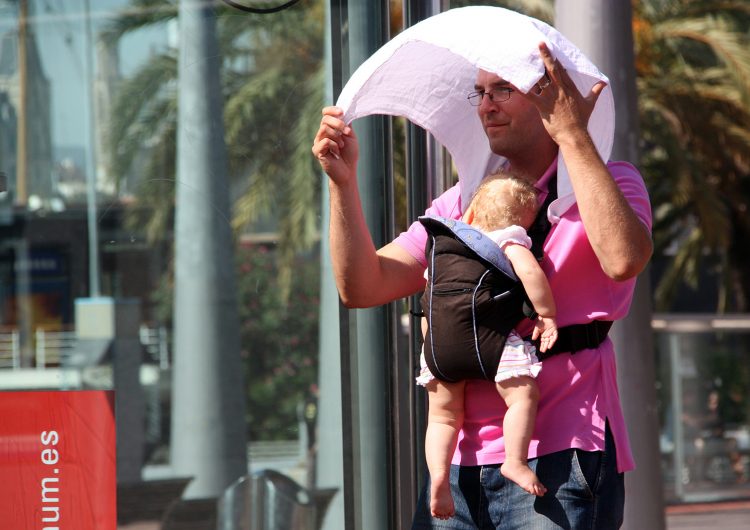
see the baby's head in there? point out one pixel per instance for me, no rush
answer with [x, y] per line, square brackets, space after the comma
[502, 200]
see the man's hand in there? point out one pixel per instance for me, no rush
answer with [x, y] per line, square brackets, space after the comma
[336, 147]
[564, 111]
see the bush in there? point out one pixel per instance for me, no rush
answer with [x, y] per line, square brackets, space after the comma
[279, 339]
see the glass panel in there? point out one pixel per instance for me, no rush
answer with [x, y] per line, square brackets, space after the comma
[90, 96]
[705, 414]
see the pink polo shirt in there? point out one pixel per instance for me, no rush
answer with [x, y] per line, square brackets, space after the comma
[577, 392]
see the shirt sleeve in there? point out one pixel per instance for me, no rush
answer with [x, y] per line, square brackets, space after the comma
[630, 182]
[413, 240]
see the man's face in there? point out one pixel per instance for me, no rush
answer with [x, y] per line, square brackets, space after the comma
[513, 127]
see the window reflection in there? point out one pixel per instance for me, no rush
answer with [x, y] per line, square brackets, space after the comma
[705, 440]
[89, 96]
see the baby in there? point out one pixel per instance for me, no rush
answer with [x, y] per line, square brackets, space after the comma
[502, 208]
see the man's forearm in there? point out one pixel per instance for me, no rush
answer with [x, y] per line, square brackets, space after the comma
[620, 240]
[353, 253]
[366, 277]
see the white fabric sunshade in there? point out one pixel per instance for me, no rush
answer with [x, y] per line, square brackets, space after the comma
[426, 72]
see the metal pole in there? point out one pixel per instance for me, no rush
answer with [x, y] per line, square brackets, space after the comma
[208, 404]
[369, 331]
[22, 162]
[335, 455]
[91, 173]
[678, 435]
[23, 259]
[603, 31]
[358, 28]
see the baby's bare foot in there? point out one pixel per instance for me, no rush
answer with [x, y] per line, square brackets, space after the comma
[441, 500]
[522, 475]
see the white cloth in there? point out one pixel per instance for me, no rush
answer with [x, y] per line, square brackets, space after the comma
[510, 234]
[518, 359]
[426, 72]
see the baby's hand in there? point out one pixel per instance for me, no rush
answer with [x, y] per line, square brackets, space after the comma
[545, 329]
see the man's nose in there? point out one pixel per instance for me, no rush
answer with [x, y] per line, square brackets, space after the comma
[486, 105]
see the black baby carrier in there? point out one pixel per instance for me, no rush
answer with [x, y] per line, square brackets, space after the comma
[473, 300]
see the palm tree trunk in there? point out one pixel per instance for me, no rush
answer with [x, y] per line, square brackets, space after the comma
[208, 403]
[603, 31]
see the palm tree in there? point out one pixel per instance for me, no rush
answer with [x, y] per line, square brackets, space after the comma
[273, 90]
[693, 65]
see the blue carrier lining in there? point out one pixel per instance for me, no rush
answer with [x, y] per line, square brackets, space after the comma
[477, 241]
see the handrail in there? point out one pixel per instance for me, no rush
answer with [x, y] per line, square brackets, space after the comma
[52, 347]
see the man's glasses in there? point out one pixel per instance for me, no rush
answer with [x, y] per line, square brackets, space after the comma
[496, 95]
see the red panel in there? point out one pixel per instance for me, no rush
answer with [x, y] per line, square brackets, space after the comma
[57, 460]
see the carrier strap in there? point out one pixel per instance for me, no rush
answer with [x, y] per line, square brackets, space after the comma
[577, 337]
[541, 226]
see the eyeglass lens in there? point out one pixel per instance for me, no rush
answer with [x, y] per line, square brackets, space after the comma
[496, 95]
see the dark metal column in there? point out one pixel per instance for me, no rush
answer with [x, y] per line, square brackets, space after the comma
[425, 180]
[330, 455]
[358, 29]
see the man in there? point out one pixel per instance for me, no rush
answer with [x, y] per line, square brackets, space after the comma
[592, 256]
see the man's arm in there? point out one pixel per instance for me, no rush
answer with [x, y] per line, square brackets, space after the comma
[620, 240]
[365, 277]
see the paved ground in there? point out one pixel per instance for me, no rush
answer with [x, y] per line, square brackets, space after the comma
[710, 516]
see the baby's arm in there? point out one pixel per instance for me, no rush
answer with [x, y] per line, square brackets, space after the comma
[538, 290]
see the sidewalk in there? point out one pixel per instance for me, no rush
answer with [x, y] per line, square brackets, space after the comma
[709, 516]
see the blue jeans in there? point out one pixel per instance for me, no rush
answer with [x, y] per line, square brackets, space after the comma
[584, 491]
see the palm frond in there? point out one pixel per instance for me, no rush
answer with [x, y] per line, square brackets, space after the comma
[139, 14]
[141, 104]
[693, 64]
[729, 47]
[301, 227]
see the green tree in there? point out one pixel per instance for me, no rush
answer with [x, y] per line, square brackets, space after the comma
[273, 89]
[280, 340]
[271, 77]
[693, 65]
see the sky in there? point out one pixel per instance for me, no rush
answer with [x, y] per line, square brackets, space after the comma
[60, 30]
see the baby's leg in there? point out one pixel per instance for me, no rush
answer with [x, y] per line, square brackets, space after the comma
[521, 394]
[444, 420]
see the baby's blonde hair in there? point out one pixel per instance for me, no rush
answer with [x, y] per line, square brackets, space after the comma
[503, 200]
